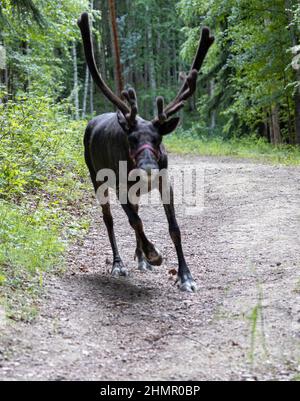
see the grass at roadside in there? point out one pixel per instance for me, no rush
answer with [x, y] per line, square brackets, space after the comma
[34, 236]
[249, 148]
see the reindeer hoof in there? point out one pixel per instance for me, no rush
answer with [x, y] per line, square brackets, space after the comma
[154, 257]
[119, 270]
[188, 284]
[144, 266]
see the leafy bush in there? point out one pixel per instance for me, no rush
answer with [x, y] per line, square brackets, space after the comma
[37, 139]
[41, 187]
[28, 240]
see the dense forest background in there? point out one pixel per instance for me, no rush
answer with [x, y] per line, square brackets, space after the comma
[247, 103]
[249, 85]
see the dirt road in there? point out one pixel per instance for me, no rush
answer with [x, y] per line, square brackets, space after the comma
[243, 323]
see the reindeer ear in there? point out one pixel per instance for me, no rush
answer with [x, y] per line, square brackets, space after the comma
[168, 126]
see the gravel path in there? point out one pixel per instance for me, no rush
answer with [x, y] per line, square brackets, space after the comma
[242, 324]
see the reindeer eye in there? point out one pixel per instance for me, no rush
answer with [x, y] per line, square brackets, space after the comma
[133, 140]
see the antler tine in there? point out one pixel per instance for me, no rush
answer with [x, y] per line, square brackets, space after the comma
[177, 106]
[164, 114]
[131, 98]
[189, 85]
[84, 25]
[162, 117]
[204, 44]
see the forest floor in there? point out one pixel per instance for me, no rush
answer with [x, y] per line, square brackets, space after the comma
[243, 323]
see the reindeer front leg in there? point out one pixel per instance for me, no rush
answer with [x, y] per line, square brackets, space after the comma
[152, 255]
[184, 278]
[118, 268]
[143, 264]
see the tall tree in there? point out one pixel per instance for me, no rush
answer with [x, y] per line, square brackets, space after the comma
[151, 63]
[116, 47]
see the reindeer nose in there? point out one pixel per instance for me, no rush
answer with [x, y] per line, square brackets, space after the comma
[150, 169]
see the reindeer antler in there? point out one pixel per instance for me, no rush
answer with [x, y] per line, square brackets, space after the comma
[161, 115]
[130, 96]
[189, 86]
[129, 113]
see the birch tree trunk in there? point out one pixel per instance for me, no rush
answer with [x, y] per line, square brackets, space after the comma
[75, 90]
[213, 112]
[3, 73]
[92, 96]
[85, 91]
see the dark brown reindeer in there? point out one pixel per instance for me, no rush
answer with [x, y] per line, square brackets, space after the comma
[124, 136]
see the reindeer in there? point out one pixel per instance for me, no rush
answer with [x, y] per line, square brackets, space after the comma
[125, 136]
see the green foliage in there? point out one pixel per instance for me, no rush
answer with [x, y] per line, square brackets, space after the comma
[24, 8]
[250, 63]
[39, 56]
[150, 38]
[29, 240]
[37, 138]
[33, 238]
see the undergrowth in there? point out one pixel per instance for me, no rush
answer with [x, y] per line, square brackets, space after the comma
[42, 184]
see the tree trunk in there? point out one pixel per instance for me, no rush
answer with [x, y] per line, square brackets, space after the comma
[116, 48]
[159, 79]
[101, 44]
[294, 41]
[3, 73]
[24, 47]
[151, 64]
[75, 90]
[174, 58]
[266, 123]
[211, 92]
[92, 83]
[297, 115]
[146, 86]
[276, 134]
[85, 91]
[92, 97]
[271, 128]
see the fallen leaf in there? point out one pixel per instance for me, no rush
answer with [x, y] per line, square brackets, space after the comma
[173, 272]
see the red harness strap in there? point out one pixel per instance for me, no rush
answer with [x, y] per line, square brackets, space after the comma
[156, 153]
